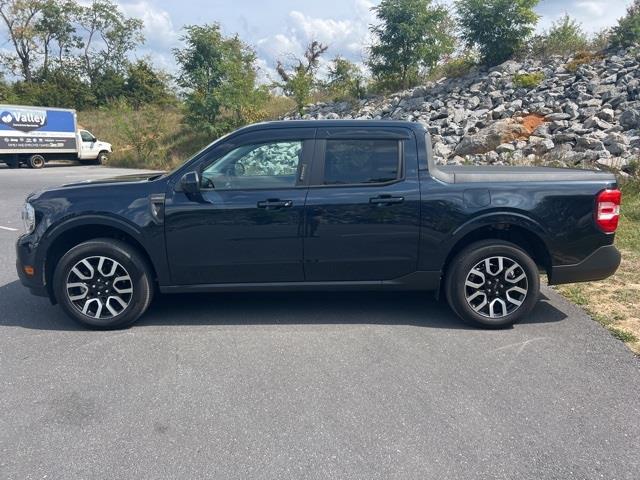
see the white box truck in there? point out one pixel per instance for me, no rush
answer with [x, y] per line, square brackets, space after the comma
[34, 135]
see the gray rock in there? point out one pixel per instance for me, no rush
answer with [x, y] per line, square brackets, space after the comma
[615, 163]
[586, 143]
[607, 114]
[630, 119]
[595, 122]
[506, 148]
[441, 150]
[616, 148]
[557, 116]
[491, 137]
[474, 102]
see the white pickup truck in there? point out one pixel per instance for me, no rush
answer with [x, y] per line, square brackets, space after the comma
[34, 135]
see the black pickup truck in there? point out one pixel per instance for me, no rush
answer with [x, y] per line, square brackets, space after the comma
[317, 205]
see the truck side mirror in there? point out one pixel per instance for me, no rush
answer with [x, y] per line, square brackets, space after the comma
[190, 183]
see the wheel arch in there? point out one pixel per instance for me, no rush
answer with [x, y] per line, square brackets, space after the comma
[521, 231]
[74, 233]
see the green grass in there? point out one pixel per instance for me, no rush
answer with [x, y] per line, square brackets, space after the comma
[628, 235]
[528, 80]
[623, 335]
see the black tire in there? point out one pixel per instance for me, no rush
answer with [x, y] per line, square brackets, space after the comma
[36, 161]
[498, 289]
[103, 158]
[116, 252]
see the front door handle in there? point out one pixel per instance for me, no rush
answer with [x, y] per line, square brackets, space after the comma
[275, 203]
[385, 200]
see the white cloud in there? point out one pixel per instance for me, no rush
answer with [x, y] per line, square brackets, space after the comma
[594, 15]
[348, 37]
[159, 32]
[593, 8]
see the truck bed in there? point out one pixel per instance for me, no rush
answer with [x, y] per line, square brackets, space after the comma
[483, 174]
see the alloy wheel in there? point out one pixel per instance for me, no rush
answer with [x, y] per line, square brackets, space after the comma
[99, 287]
[496, 287]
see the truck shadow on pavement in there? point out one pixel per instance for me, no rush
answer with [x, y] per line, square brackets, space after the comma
[21, 309]
[51, 164]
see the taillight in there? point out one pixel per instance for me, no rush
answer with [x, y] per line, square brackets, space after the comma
[608, 210]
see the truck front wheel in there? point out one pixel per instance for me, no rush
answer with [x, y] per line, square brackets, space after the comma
[103, 284]
[103, 158]
[36, 161]
[492, 284]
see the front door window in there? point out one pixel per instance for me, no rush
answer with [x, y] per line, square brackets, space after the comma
[271, 165]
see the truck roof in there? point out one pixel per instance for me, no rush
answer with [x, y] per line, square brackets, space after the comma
[417, 127]
[36, 107]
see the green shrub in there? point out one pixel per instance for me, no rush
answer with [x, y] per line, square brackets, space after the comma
[627, 32]
[458, 67]
[633, 168]
[528, 80]
[565, 37]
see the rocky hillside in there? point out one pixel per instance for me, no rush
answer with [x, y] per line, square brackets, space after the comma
[583, 112]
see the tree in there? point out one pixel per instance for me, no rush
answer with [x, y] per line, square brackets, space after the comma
[498, 28]
[144, 85]
[55, 25]
[219, 77]
[62, 88]
[109, 37]
[565, 37]
[413, 35]
[627, 32]
[20, 17]
[298, 82]
[345, 79]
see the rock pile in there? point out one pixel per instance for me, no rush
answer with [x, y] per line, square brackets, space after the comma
[579, 115]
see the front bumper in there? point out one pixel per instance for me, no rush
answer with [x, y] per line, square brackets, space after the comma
[26, 254]
[599, 265]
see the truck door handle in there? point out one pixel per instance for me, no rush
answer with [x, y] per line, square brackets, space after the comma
[385, 200]
[274, 203]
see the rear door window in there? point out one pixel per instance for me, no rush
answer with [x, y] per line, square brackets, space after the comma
[349, 162]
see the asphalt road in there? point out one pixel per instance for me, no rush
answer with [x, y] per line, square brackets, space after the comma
[305, 386]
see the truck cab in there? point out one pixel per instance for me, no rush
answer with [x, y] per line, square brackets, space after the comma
[91, 149]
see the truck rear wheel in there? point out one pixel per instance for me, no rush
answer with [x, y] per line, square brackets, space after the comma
[492, 284]
[36, 161]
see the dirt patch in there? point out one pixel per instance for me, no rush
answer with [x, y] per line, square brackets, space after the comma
[531, 122]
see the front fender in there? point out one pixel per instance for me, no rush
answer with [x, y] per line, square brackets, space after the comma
[54, 231]
[150, 238]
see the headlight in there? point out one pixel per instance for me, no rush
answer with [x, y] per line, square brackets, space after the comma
[28, 217]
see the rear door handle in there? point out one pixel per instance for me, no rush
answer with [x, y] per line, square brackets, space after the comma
[275, 203]
[385, 200]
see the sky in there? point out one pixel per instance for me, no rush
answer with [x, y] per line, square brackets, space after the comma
[276, 28]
